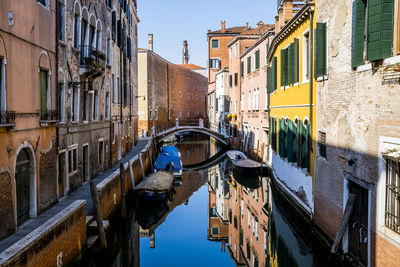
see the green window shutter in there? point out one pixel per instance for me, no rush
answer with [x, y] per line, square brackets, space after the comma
[290, 64]
[43, 90]
[357, 37]
[286, 69]
[257, 54]
[274, 73]
[290, 137]
[266, 53]
[320, 50]
[248, 65]
[296, 61]
[305, 154]
[295, 143]
[269, 83]
[241, 69]
[379, 29]
[281, 138]
[285, 138]
[283, 67]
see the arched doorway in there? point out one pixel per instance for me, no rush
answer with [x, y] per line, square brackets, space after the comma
[23, 190]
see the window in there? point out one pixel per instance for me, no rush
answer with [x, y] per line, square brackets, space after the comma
[61, 22]
[249, 97]
[215, 63]
[306, 57]
[322, 144]
[101, 154]
[95, 115]
[215, 230]
[62, 102]
[108, 51]
[236, 79]
[236, 49]
[248, 250]
[118, 94]
[2, 89]
[248, 65]
[235, 222]
[248, 218]
[75, 104]
[45, 103]
[241, 69]
[242, 101]
[150, 114]
[236, 106]
[156, 114]
[320, 51]
[230, 80]
[112, 88]
[230, 53]
[284, 67]
[113, 132]
[272, 123]
[76, 30]
[85, 111]
[72, 159]
[392, 207]
[214, 43]
[45, 3]
[109, 3]
[254, 99]
[257, 59]
[113, 25]
[107, 106]
[266, 53]
[372, 32]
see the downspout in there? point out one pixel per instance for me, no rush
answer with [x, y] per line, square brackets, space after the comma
[57, 95]
[310, 67]
[169, 111]
[120, 88]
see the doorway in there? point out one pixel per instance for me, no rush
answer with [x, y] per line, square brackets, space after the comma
[358, 224]
[62, 175]
[85, 162]
[23, 179]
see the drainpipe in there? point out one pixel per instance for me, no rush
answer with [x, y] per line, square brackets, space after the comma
[310, 67]
[57, 94]
[120, 89]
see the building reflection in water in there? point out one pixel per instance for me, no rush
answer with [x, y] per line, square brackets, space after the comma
[244, 215]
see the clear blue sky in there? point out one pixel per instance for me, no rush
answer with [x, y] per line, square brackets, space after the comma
[172, 21]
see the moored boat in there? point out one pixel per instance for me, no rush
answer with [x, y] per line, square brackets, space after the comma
[168, 155]
[155, 187]
[242, 163]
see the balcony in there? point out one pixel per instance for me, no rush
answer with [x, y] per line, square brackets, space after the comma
[92, 62]
[48, 116]
[7, 119]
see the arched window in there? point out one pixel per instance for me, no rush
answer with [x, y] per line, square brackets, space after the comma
[3, 91]
[77, 24]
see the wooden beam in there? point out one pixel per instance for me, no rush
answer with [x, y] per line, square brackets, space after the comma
[345, 220]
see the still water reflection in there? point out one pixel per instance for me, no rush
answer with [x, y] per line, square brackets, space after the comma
[215, 218]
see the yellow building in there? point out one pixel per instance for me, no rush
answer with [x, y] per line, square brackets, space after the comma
[292, 93]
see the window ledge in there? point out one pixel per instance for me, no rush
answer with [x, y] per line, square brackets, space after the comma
[47, 122]
[7, 125]
[322, 78]
[76, 50]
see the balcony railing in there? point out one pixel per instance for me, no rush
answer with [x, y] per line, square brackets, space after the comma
[48, 115]
[7, 118]
[93, 59]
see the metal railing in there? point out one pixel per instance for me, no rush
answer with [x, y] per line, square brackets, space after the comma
[92, 57]
[48, 115]
[7, 117]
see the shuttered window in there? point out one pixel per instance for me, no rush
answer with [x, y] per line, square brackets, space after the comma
[248, 65]
[358, 32]
[266, 53]
[257, 59]
[236, 79]
[304, 147]
[379, 29]
[283, 68]
[241, 69]
[296, 61]
[269, 80]
[372, 30]
[290, 78]
[119, 33]
[273, 133]
[114, 25]
[320, 50]
[291, 134]
[274, 73]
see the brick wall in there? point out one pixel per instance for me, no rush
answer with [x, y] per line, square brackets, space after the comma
[63, 236]
[48, 177]
[6, 209]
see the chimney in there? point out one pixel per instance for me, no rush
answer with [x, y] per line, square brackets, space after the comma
[153, 240]
[150, 41]
[277, 29]
[287, 11]
[260, 24]
[223, 24]
[185, 56]
[247, 25]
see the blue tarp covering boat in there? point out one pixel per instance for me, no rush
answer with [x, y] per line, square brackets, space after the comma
[167, 155]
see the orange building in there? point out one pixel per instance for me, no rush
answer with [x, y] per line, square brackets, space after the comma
[28, 159]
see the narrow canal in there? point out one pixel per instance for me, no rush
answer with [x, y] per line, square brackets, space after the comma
[215, 218]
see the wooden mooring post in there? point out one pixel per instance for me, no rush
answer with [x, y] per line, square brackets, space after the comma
[97, 215]
[123, 195]
[141, 166]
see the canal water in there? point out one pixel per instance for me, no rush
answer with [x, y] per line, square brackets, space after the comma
[215, 218]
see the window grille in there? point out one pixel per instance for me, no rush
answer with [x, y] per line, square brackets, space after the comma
[392, 209]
